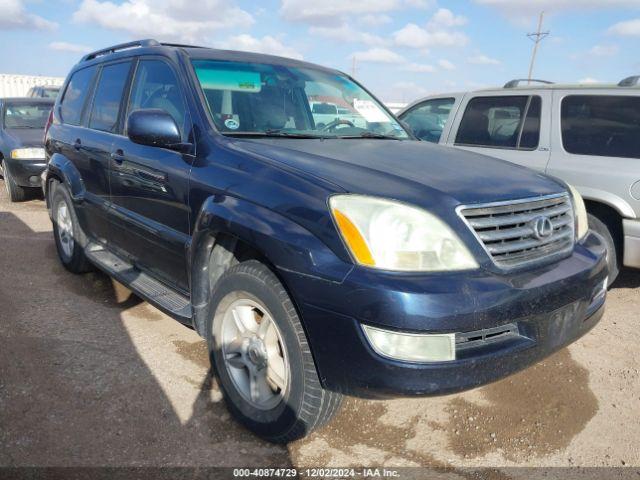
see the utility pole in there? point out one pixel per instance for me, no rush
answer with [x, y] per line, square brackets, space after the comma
[353, 67]
[536, 37]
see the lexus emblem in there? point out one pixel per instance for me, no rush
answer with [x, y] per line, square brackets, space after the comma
[542, 227]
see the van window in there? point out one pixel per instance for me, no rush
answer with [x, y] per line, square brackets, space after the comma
[75, 96]
[106, 103]
[501, 122]
[156, 86]
[601, 125]
[427, 120]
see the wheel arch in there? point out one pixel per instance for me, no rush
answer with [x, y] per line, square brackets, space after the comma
[229, 230]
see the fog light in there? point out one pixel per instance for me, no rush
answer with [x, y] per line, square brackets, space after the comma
[412, 347]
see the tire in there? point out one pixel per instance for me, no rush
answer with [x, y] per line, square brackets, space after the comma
[283, 410]
[16, 192]
[601, 228]
[69, 237]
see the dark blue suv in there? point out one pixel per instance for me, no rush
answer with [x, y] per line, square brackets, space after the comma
[318, 255]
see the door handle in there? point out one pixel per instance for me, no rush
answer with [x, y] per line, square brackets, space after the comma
[77, 144]
[118, 156]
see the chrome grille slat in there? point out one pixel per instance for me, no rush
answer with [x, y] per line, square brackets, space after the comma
[506, 230]
[501, 220]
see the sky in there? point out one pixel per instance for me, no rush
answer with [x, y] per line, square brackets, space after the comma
[403, 49]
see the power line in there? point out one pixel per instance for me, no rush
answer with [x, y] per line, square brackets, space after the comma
[536, 37]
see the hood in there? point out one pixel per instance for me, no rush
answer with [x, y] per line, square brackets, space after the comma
[416, 172]
[25, 137]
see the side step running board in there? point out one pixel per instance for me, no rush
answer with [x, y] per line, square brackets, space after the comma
[172, 303]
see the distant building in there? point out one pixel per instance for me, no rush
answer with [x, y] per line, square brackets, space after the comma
[19, 85]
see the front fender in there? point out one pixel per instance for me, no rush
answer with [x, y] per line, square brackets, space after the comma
[286, 244]
[289, 247]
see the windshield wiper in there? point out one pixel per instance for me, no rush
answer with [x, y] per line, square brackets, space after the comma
[275, 133]
[369, 135]
[29, 127]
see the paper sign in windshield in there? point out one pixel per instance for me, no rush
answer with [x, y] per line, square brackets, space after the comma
[370, 111]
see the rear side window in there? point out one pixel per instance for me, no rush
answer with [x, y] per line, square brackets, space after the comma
[501, 122]
[601, 125]
[106, 102]
[75, 96]
[427, 120]
[156, 86]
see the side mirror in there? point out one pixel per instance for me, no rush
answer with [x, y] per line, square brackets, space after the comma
[155, 128]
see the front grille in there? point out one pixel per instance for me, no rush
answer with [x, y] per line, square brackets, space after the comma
[508, 230]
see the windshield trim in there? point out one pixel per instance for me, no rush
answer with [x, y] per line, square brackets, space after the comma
[207, 112]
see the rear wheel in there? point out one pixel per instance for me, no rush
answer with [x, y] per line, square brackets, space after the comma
[261, 356]
[16, 192]
[600, 228]
[67, 232]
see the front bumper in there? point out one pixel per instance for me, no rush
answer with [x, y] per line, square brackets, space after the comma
[26, 173]
[550, 307]
[631, 230]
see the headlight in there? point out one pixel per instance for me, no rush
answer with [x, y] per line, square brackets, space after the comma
[580, 211]
[27, 153]
[393, 236]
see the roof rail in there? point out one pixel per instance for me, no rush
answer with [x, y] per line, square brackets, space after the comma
[630, 81]
[180, 45]
[516, 83]
[123, 46]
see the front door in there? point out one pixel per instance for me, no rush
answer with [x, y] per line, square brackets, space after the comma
[512, 127]
[150, 185]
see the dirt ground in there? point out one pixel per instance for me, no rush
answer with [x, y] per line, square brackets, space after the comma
[91, 375]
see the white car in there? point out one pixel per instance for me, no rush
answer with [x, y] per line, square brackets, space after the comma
[586, 135]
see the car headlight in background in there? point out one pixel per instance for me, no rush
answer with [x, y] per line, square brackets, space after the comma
[28, 154]
[389, 235]
[580, 211]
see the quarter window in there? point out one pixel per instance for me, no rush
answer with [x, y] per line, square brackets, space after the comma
[428, 119]
[106, 103]
[75, 95]
[156, 86]
[601, 125]
[501, 122]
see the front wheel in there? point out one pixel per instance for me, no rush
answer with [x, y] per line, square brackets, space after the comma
[16, 192]
[261, 356]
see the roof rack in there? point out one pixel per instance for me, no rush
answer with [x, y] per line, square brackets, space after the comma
[630, 81]
[180, 45]
[516, 83]
[123, 46]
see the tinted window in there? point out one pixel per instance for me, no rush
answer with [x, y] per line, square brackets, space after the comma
[156, 86]
[26, 115]
[498, 122]
[428, 119]
[601, 125]
[75, 95]
[106, 103]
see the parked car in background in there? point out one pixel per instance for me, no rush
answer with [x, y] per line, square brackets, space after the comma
[317, 261]
[329, 113]
[46, 91]
[22, 160]
[587, 135]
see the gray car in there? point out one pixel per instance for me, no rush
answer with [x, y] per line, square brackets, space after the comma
[587, 135]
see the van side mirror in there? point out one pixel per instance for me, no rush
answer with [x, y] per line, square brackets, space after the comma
[155, 128]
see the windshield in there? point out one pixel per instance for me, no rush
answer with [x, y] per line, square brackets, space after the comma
[24, 115]
[261, 99]
[50, 92]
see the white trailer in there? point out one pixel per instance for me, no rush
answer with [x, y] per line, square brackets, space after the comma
[19, 85]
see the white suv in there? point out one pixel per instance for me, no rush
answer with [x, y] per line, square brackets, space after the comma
[586, 135]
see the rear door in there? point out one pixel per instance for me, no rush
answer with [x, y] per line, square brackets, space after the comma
[511, 126]
[103, 125]
[150, 185]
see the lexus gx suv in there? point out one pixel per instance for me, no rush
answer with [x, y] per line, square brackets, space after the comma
[316, 260]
